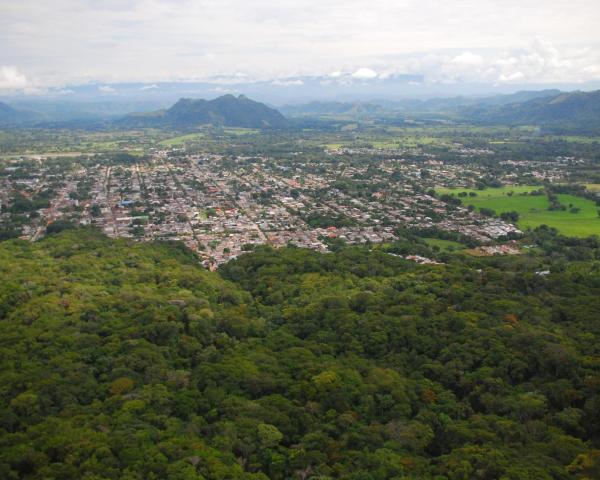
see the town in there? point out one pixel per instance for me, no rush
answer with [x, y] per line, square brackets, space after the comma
[221, 205]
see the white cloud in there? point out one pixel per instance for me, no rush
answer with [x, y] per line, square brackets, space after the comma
[12, 79]
[468, 58]
[513, 77]
[537, 62]
[106, 89]
[148, 41]
[364, 74]
[154, 86]
[287, 83]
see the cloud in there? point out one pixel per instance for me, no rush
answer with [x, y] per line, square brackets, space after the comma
[364, 74]
[539, 62]
[468, 58]
[513, 77]
[149, 41]
[106, 89]
[287, 83]
[149, 87]
[12, 79]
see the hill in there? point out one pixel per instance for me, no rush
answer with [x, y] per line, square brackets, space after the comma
[122, 360]
[316, 108]
[226, 110]
[12, 116]
[381, 108]
[573, 111]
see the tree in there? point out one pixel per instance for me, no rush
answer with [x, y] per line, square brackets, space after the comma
[268, 435]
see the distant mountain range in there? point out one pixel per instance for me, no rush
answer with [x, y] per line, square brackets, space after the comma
[548, 109]
[551, 110]
[575, 111]
[333, 108]
[10, 115]
[227, 110]
[431, 105]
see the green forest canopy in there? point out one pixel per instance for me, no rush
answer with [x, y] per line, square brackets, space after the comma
[122, 360]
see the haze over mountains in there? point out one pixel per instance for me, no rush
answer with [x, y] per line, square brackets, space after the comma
[550, 109]
[578, 110]
[436, 104]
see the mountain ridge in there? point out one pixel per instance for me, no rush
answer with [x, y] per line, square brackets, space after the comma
[227, 110]
[568, 110]
[10, 115]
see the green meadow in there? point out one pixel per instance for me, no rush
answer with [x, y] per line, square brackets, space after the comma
[240, 131]
[447, 245]
[180, 140]
[533, 210]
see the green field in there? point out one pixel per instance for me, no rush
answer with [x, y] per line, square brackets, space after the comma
[180, 140]
[240, 131]
[533, 210]
[444, 244]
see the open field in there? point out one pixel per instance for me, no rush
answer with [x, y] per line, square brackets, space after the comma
[180, 140]
[410, 141]
[581, 224]
[533, 210]
[444, 244]
[240, 131]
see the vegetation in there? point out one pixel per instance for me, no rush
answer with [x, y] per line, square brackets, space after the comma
[225, 110]
[122, 360]
[577, 217]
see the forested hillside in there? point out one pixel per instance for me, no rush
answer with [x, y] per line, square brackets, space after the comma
[566, 112]
[227, 110]
[122, 360]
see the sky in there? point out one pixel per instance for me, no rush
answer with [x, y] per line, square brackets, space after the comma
[55, 43]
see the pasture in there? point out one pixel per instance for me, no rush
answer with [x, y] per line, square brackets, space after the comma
[533, 209]
[181, 139]
[444, 245]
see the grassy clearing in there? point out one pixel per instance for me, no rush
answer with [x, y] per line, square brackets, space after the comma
[180, 140]
[490, 193]
[392, 142]
[581, 224]
[410, 141]
[533, 210]
[444, 244]
[240, 131]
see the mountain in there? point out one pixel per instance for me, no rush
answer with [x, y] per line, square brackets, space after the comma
[333, 108]
[519, 97]
[573, 111]
[57, 110]
[10, 116]
[228, 110]
[378, 108]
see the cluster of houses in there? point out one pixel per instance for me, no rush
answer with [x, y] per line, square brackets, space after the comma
[222, 206]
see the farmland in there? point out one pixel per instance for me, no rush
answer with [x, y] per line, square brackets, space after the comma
[533, 209]
[180, 140]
